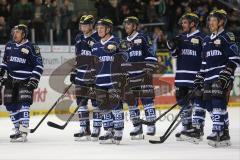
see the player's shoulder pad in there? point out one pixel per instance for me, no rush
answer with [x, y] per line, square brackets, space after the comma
[115, 39]
[145, 38]
[9, 43]
[230, 37]
[34, 47]
[201, 35]
[78, 37]
[95, 36]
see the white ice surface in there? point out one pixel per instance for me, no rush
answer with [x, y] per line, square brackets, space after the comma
[50, 143]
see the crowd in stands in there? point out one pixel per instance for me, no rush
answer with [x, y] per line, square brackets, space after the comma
[43, 15]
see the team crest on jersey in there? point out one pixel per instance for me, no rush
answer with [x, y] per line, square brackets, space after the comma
[112, 47]
[217, 42]
[90, 43]
[137, 41]
[24, 51]
[195, 41]
[231, 36]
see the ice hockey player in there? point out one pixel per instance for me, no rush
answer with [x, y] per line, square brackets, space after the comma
[107, 83]
[140, 51]
[22, 62]
[186, 48]
[220, 59]
[79, 77]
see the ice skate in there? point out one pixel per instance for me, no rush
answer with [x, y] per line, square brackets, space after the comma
[83, 135]
[118, 136]
[107, 137]
[137, 133]
[95, 133]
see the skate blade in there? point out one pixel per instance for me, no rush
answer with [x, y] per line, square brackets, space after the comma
[82, 139]
[180, 138]
[108, 141]
[19, 140]
[215, 144]
[94, 139]
[117, 142]
[191, 139]
[138, 137]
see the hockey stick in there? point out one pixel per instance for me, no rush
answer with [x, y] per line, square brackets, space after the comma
[167, 134]
[172, 127]
[185, 99]
[57, 126]
[23, 129]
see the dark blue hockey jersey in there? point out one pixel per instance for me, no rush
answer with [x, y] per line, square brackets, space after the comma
[104, 71]
[140, 51]
[188, 59]
[218, 50]
[22, 61]
[83, 47]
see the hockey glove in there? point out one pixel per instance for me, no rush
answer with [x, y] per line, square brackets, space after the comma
[173, 45]
[1, 81]
[225, 75]
[198, 81]
[32, 84]
[72, 77]
[2, 72]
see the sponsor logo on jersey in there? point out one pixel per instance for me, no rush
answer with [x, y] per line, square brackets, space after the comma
[8, 48]
[189, 52]
[213, 53]
[135, 53]
[106, 58]
[90, 43]
[137, 41]
[217, 42]
[86, 53]
[18, 60]
[194, 41]
[24, 50]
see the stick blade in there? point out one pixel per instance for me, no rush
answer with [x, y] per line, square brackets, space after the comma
[54, 125]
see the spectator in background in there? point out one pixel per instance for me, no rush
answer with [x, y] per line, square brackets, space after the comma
[124, 12]
[152, 14]
[103, 7]
[139, 9]
[3, 31]
[38, 22]
[66, 12]
[50, 18]
[159, 39]
[22, 13]
[114, 12]
[5, 9]
[234, 23]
